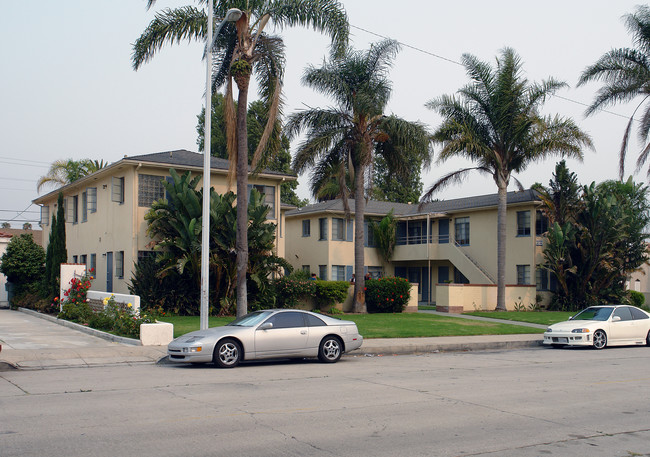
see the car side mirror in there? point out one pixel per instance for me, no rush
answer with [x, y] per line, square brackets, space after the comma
[616, 318]
[266, 326]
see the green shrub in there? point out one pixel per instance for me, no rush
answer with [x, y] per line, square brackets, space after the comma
[288, 290]
[76, 312]
[328, 293]
[387, 295]
[637, 298]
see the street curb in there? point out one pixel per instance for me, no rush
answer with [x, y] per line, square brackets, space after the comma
[82, 328]
[415, 348]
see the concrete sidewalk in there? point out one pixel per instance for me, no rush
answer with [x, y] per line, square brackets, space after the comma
[33, 341]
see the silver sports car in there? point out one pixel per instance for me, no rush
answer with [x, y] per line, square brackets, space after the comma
[268, 334]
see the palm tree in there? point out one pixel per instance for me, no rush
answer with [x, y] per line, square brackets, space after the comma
[243, 49]
[625, 73]
[346, 138]
[496, 123]
[64, 172]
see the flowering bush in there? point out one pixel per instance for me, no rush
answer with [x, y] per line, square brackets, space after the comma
[78, 291]
[387, 295]
[117, 318]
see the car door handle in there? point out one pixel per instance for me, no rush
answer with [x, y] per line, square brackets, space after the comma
[303, 332]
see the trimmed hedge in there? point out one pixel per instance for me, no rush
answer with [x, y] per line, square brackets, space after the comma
[325, 294]
[387, 295]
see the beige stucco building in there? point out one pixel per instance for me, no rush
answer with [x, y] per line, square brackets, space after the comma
[448, 247]
[105, 226]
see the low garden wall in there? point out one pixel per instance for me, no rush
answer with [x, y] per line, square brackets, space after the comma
[459, 298]
[96, 299]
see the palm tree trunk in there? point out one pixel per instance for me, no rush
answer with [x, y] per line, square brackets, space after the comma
[359, 259]
[241, 243]
[501, 244]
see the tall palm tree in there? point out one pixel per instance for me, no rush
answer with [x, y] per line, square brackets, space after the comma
[346, 138]
[495, 122]
[64, 172]
[625, 73]
[243, 48]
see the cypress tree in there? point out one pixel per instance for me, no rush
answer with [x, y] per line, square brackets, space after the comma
[59, 250]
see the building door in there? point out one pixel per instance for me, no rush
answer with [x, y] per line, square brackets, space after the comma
[443, 231]
[109, 272]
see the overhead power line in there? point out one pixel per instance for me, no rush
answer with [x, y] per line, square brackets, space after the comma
[437, 56]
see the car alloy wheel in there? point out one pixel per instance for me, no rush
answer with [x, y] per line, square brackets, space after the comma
[227, 353]
[330, 349]
[600, 339]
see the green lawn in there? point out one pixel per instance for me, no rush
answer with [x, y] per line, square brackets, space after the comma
[406, 325]
[534, 317]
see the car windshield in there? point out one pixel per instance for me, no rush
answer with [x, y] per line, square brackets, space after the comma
[250, 320]
[593, 314]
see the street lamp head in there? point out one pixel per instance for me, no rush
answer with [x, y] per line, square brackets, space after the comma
[232, 15]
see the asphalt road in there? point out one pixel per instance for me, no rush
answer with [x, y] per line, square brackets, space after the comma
[527, 402]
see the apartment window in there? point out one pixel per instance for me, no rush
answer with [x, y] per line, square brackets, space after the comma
[93, 263]
[150, 189]
[119, 264]
[117, 189]
[523, 223]
[306, 227]
[338, 273]
[306, 269]
[542, 279]
[75, 259]
[376, 272]
[45, 215]
[322, 228]
[338, 229]
[84, 207]
[322, 272]
[146, 255]
[368, 235]
[84, 259]
[523, 274]
[462, 231]
[74, 210]
[541, 223]
[92, 199]
[268, 192]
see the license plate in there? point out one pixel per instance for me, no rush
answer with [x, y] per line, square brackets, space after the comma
[562, 340]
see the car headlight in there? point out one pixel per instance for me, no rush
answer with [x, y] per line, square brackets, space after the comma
[580, 330]
[549, 329]
[193, 349]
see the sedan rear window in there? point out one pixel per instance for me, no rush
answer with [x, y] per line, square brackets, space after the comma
[638, 314]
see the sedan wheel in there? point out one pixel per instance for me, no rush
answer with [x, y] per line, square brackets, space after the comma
[600, 339]
[227, 353]
[647, 339]
[330, 350]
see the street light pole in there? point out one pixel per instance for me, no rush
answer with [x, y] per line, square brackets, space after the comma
[232, 15]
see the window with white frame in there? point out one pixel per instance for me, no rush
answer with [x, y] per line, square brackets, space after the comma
[45, 215]
[117, 189]
[338, 273]
[306, 228]
[92, 199]
[150, 189]
[338, 229]
[322, 228]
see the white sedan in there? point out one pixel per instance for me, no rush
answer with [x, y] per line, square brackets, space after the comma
[601, 326]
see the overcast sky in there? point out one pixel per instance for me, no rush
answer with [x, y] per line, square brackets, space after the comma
[68, 90]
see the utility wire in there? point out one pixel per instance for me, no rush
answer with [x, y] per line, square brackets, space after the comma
[406, 45]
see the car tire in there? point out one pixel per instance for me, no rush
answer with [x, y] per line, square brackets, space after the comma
[330, 349]
[647, 339]
[227, 353]
[600, 339]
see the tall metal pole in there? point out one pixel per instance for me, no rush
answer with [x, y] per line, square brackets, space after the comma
[233, 14]
[205, 231]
